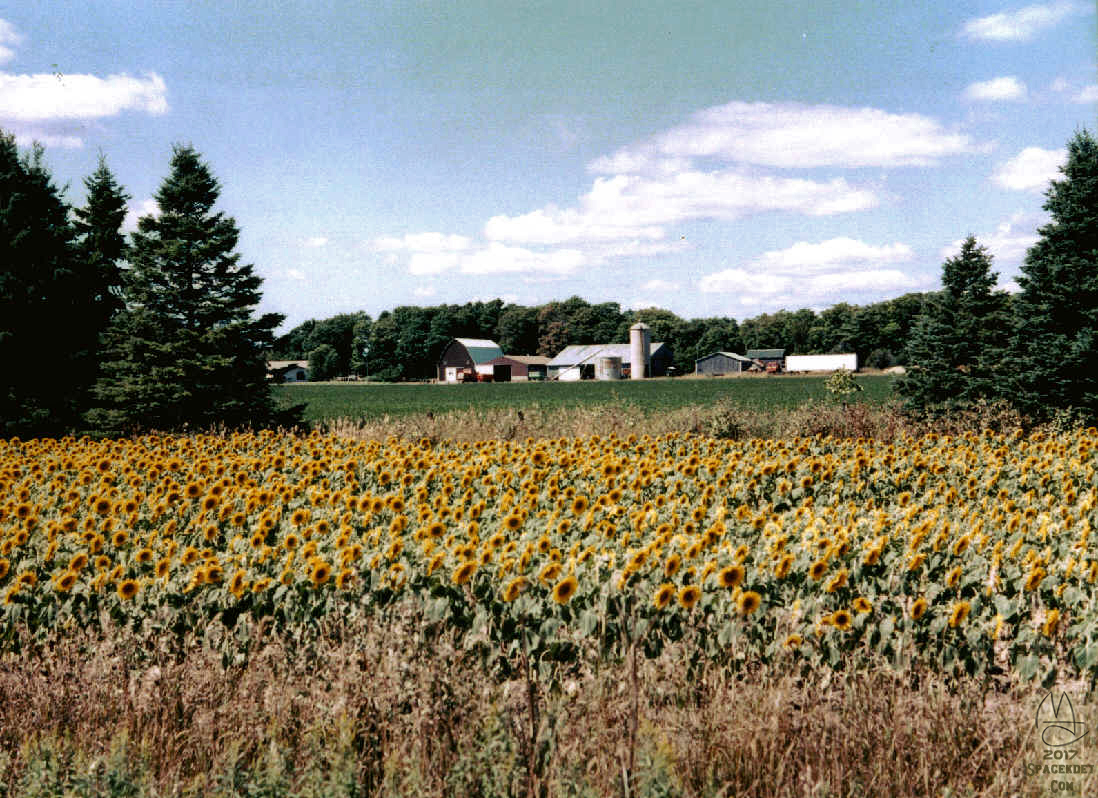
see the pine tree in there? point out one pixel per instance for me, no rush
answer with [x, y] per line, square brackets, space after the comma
[40, 295]
[956, 345]
[102, 245]
[1054, 351]
[187, 351]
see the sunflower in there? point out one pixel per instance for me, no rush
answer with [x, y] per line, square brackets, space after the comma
[163, 568]
[817, 570]
[190, 554]
[837, 582]
[299, 517]
[260, 585]
[916, 562]
[515, 588]
[464, 572]
[238, 584]
[119, 538]
[730, 576]
[64, 581]
[345, 579]
[783, 566]
[319, 572]
[214, 573]
[76, 564]
[512, 522]
[959, 613]
[841, 620]
[580, 505]
[953, 577]
[127, 589]
[688, 596]
[748, 602]
[863, 605]
[565, 589]
[145, 555]
[672, 565]
[663, 595]
[792, 642]
[1034, 578]
[549, 573]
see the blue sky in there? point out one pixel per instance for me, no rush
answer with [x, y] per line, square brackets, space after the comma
[712, 158]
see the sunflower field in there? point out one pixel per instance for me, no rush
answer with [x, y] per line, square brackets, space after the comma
[970, 555]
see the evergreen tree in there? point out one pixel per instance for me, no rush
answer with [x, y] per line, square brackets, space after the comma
[187, 351]
[40, 297]
[1054, 350]
[102, 246]
[956, 346]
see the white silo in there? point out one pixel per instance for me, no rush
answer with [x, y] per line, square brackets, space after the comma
[640, 347]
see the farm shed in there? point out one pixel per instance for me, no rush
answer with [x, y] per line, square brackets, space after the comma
[287, 370]
[771, 359]
[467, 357]
[822, 362]
[719, 363]
[580, 361]
[523, 367]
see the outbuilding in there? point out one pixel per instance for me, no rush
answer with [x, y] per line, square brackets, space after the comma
[287, 370]
[770, 359]
[519, 368]
[586, 362]
[720, 363]
[466, 359]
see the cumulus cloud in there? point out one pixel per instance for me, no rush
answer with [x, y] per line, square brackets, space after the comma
[423, 242]
[1089, 94]
[295, 274]
[1030, 170]
[135, 210]
[816, 272]
[9, 39]
[792, 135]
[997, 89]
[316, 242]
[1009, 241]
[661, 286]
[1020, 25]
[41, 98]
[640, 208]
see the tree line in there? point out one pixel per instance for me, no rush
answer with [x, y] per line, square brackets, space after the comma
[406, 342]
[108, 335]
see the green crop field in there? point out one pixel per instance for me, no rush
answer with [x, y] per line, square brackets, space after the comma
[326, 401]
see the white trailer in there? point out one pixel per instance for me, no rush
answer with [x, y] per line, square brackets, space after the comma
[821, 362]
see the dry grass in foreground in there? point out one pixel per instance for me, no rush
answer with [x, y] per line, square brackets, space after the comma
[375, 712]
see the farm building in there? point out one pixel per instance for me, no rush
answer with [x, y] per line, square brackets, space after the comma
[605, 361]
[287, 370]
[719, 363]
[519, 368]
[822, 362]
[771, 359]
[468, 359]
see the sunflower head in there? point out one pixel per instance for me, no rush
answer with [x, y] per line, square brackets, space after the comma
[663, 595]
[689, 596]
[817, 570]
[748, 602]
[565, 589]
[959, 613]
[863, 605]
[730, 576]
[841, 620]
[918, 609]
[127, 589]
[515, 588]
[464, 572]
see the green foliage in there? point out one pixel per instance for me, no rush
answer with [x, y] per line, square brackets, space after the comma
[1054, 349]
[955, 351]
[842, 386]
[47, 336]
[187, 351]
[323, 363]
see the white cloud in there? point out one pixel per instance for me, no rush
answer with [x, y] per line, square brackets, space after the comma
[425, 290]
[1089, 94]
[134, 211]
[25, 138]
[792, 135]
[1059, 85]
[498, 258]
[9, 37]
[316, 242]
[812, 274]
[634, 207]
[1009, 241]
[1020, 25]
[1005, 88]
[295, 274]
[423, 242]
[42, 98]
[1030, 170]
[663, 286]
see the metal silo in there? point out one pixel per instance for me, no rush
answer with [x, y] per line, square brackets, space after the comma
[640, 348]
[608, 368]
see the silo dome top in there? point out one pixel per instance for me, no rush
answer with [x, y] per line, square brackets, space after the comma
[640, 325]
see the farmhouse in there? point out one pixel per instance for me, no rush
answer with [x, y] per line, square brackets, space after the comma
[519, 367]
[771, 359]
[468, 358]
[719, 363]
[605, 361]
[287, 370]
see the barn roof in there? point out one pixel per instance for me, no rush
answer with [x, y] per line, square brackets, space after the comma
[530, 360]
[588, 353]
[765, 354]
[481, 350]
[285, 364]
[732, 355]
